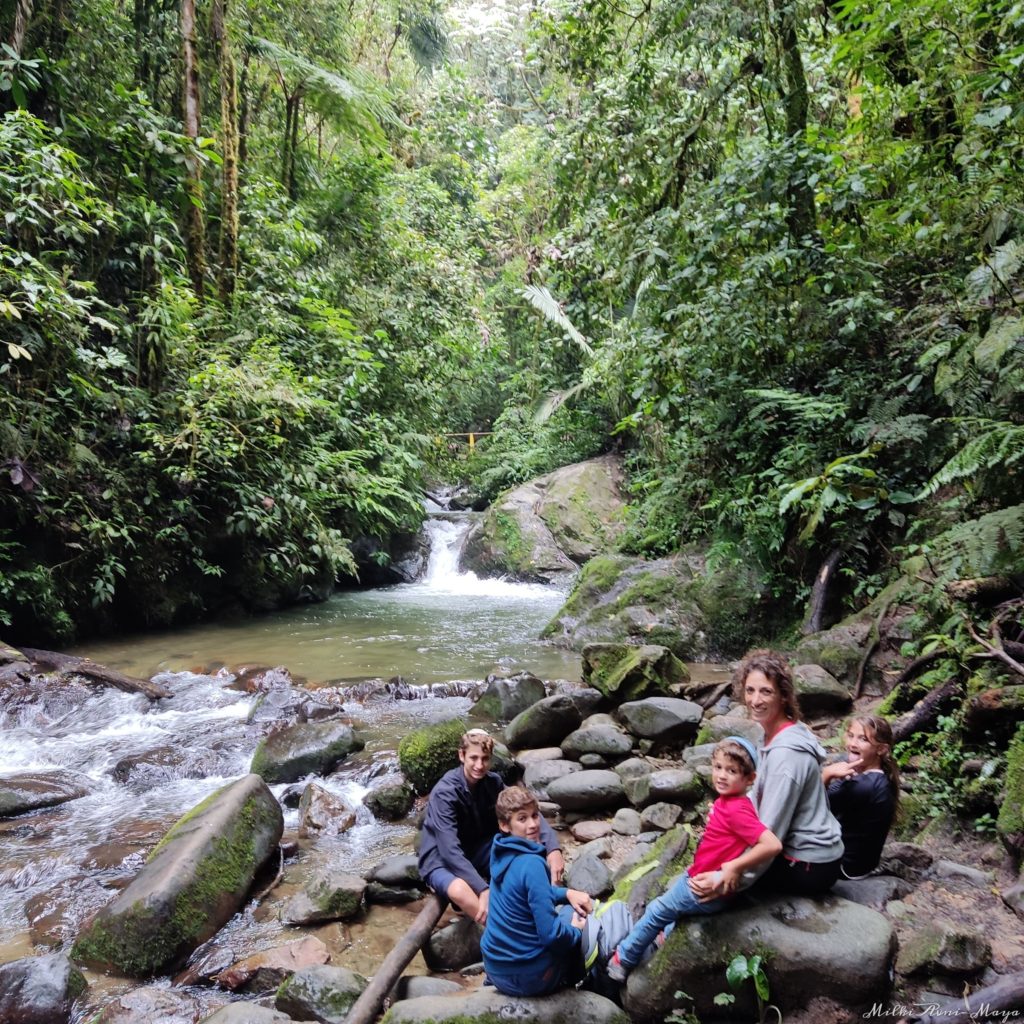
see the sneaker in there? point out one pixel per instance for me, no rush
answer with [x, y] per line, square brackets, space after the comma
[616, 970]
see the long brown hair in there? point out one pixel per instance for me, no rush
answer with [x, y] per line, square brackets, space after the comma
[878, 730]
[776, 668]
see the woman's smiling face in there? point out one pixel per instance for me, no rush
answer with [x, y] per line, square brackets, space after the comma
[763, 701]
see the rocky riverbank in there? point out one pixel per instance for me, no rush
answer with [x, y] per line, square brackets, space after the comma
[624, 782]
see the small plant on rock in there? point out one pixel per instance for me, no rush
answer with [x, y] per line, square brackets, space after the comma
[740, 969]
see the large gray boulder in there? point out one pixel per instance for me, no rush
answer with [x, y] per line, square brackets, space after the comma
[330, 896]
[668, 720]
[829, 947]
[819, 692]
[546, 528]
[195, 880]
[539, 775]
[303, 749]
[609, 741]
[455, 946]
[29, 791]
[39, 989]
[504, 698]
[247, 1013]
[548, 722]
[673, 785]
[488, 1006]
[587, 790]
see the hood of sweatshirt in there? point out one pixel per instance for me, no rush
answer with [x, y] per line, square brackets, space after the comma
[796, 738]
[505, 850]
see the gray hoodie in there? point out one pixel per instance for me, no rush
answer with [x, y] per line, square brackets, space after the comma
[791, 799]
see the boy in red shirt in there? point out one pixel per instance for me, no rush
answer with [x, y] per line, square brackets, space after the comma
[734, 841]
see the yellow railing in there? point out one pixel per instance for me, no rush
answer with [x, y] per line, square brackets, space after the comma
[471, 436]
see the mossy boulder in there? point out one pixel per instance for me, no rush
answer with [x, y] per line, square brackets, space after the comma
[828, 947]
[426, 754]
[941, 948]
[323, 993]
[546, 528]
[195, 880]
[819, 692]
[682, 603]
[305, 748]
[390, 800]
[331, 896]
[1010, 823]
[623, 673]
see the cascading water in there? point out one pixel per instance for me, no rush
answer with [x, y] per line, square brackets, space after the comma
[447, 627]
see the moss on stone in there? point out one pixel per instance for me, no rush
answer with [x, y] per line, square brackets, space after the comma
[1010, 823]
[426, 754]
[509, 536]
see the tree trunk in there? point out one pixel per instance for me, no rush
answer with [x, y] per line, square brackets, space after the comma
[22, 17]
[925, 713]
[195, 231]
[67, 666]
[229, 169]
[367, 1006]
[814, 622]
[802, 216]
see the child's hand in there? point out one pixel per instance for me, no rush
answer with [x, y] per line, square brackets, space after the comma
[703, 886]
[840, 770]
[580, 902]
[730, 879]
[483, 901]
[577, 921]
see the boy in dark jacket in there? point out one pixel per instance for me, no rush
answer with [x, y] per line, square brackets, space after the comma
[460, 826]
[529, 948]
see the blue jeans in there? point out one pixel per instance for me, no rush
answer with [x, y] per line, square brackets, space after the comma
[679, 901]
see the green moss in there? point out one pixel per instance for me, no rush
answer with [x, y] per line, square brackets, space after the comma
[650, 589]
[596, 578]
[1010, 823]
[510, 538]
[426, 754]
[139, 944]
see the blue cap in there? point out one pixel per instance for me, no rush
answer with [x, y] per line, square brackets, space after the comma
[747, 746]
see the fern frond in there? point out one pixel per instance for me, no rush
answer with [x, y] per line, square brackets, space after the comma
[556, 399]
[994, 443]
[805, 408]
[988, 545]
[545, 303]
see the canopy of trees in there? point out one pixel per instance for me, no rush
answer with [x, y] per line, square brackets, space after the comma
[256, 257]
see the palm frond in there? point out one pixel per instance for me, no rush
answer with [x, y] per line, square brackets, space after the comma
[545, 303]
[427, 39]
[556, 399]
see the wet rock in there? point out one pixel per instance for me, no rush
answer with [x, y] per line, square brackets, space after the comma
[29, 791]
[454, 946]
[539, 775]
[827, 947]
[626, 673]
[626, 822]
[390, 801]
[378, 892]
[503, 698]
[321, 812]
[587, 699]
[669, 720]
[875, 892]
[487, 1004]
[322, 993]
[714, 729]
[548, 722]
[905, 860]
[417, 986]
[941, 948]
[247, 1013]
[148, 1005]
[303, 749]
[633, 767]
[140, 771]
[587, 790]
[402, 869]
[675, 785]
[608, 741]
[594, 761]
[589, 874]
[1014, 897]
[527, 757]
[264, 972]
[587, 831]
[194, 882]
[329, 897]
[660, 816]
[39, 989]
[260, 679]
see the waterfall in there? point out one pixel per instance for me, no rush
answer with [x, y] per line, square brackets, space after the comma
[444, 536]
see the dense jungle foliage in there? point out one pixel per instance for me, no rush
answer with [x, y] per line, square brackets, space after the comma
[257, 259]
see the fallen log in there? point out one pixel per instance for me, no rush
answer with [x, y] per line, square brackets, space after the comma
[995, 1001]
[925, 712]
[367, 1006]
[984, 589]
[67, 666]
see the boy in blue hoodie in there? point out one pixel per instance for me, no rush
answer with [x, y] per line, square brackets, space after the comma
[529, 948]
